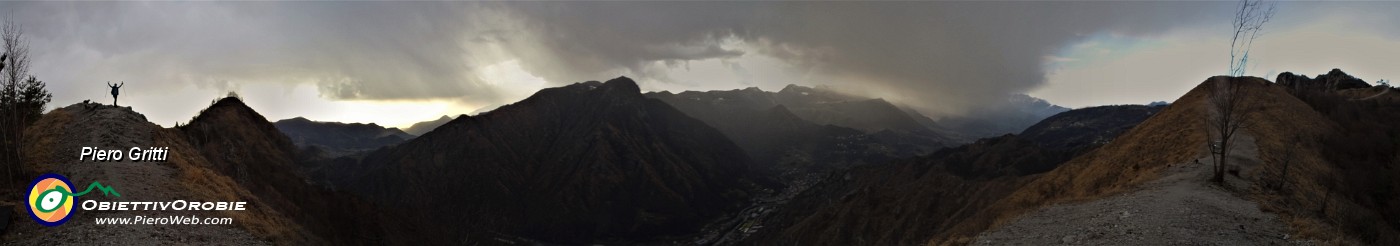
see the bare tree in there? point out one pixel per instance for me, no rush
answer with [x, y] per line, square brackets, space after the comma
[22, 96]
[1249, 20]
[1288, 155]
[1227, 104]
[16, 65]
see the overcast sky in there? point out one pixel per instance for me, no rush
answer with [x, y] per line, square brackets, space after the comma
[395, 63]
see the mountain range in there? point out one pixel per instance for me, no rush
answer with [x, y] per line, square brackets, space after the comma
[420, 128]
[1018, 112]
[588, 162]
[335, 139]
[805, 128]
[908, 201]
[602, 163]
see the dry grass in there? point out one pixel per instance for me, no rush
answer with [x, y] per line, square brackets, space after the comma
[41, 138]
[1285, 129]
[1288, 124]
[38, 152]
[203, 183]
[1175, 135]
[1299, 135]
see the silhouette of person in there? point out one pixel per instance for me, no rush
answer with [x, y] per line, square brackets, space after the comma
[114, 91]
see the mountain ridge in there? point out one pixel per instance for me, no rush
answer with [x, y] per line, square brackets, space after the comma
[420, 128]
[586, 162]
[339, 139]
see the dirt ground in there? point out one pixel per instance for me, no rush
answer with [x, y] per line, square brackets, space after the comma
[1181, 208]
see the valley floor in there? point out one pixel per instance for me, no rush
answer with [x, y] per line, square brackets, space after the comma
[1183, 207]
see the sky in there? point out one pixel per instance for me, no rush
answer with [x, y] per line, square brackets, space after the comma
[397, 63]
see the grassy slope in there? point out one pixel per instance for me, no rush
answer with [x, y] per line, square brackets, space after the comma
[1176, 135]
[1286, 130]
[195, 176]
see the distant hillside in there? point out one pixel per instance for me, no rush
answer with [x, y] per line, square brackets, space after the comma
[766, 126]
[908, 201]
[1092, 126]
[829, 107]
[1018, 112]
[584, 163]
[339, 139]
[420, 128]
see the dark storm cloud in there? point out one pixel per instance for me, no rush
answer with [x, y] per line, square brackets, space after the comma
[942, 55]
[350, 50]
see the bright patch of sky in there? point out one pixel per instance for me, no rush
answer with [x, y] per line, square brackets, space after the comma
[284, 101]
[1111, 69]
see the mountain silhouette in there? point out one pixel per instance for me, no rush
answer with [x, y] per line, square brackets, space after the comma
[908, 201]
[339, 139]
[1014, 115]
[1092, 126]
[847, 130]
[420, 128]
[588, 162]
[1332, 80]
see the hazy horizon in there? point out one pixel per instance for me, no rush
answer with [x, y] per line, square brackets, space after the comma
[397, 63]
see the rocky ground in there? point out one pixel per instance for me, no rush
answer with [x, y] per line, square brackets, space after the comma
[1181, 208]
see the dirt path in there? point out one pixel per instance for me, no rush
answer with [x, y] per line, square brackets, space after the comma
[108, 127]
[1383, 91]
[1182, 207]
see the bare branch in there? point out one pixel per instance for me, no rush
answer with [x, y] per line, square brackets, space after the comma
[1248, 23]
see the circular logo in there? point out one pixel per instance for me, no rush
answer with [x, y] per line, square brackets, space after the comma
[49, 201]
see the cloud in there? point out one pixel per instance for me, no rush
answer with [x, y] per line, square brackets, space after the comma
[1303, 39]
[941, 57]
[351, 51]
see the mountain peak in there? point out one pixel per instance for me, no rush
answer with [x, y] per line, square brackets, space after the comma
[1338, 72]
[623, 84]
[229, 102]
[234, 107]
[556, 151]
[794, 88]
[1332, 80]
[420, 128]
[620, 86]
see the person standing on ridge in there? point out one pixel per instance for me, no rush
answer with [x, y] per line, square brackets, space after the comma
[114, 91]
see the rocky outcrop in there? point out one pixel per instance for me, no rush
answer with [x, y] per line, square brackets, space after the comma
[1333, 80]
